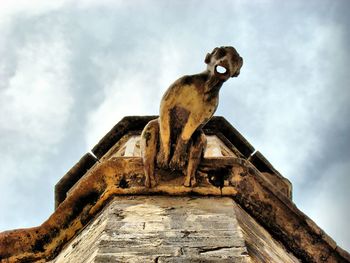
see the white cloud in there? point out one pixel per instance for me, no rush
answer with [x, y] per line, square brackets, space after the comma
[10, 9]
[36, 102]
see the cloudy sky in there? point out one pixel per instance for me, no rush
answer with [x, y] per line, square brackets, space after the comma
[71, 69]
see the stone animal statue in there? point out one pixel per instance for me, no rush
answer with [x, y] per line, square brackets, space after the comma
[175, 140]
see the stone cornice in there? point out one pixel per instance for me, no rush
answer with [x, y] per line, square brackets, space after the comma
[236, 178]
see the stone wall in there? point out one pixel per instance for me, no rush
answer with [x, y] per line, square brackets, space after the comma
[173, 229]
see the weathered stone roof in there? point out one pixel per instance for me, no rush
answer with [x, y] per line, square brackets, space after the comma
[245, 176]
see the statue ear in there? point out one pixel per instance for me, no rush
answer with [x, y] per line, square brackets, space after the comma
[207, 58]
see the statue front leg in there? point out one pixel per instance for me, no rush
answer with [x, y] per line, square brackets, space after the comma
[178, 161]
[196, 151]
[179, 158]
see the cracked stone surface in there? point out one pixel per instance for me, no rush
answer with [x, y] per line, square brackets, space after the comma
[173, 229]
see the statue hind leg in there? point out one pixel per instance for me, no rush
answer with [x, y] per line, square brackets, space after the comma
[149, 148]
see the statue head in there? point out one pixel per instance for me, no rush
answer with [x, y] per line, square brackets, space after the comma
[224, 62]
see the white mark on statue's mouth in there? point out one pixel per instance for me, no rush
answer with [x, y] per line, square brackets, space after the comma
[220, 69]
